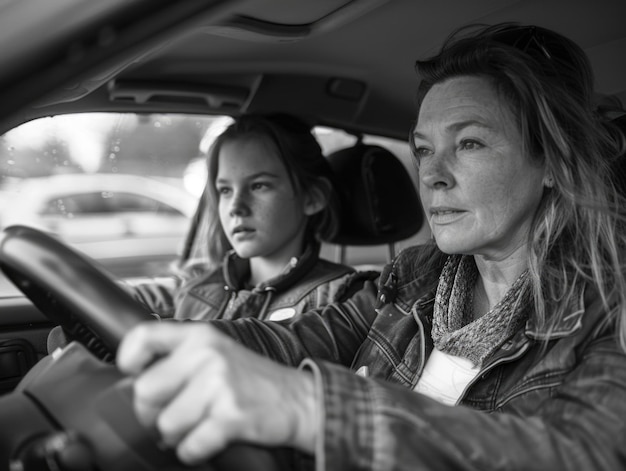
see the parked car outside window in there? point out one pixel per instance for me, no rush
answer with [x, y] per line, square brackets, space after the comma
[108, 184]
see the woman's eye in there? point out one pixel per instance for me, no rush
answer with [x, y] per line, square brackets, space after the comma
[470, 144]
[223, 190]
[421, 152]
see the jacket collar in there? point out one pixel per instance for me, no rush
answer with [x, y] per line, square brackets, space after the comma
[413, 276]
[236, 271]
[569, 324]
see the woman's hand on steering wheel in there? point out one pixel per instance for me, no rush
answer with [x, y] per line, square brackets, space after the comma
[202, 391]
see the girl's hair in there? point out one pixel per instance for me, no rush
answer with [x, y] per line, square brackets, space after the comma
[306, 166]
[577, 235]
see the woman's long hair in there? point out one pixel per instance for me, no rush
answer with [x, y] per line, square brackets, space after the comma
[306, 166]
[578, 234]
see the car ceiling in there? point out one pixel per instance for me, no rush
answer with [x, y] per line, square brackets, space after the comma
[338, 62]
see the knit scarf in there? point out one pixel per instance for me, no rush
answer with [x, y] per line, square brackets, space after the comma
[454, 329]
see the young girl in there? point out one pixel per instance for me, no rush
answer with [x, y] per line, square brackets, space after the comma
[270, 198]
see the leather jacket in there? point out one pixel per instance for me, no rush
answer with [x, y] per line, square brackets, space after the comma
[221, 293]
[544, 401]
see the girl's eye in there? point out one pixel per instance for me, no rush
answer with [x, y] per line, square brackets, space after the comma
[470, 144]
[223, 190]
[259, 186]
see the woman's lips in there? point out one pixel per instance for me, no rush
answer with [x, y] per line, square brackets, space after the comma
[445, 215]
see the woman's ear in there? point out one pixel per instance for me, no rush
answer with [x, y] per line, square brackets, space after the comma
[316, 198]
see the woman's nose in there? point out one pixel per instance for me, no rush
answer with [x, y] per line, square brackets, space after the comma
[434, 172]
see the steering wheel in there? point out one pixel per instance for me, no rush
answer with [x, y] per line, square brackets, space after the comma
[69, 289]
[89, 400]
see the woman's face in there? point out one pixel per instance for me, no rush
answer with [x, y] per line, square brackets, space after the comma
[259, 210]
[478, 187]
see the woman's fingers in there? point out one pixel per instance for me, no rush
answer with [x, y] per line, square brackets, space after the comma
[201, 390]
[191, 406]
[163, 357]
[204, 441]
[146, 342]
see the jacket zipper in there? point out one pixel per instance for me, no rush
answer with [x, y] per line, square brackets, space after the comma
[269, 294]
[418, 307]
[517, 354]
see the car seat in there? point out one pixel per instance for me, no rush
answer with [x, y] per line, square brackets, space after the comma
[380, 204]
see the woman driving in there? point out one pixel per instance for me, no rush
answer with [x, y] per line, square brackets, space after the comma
[500, 346]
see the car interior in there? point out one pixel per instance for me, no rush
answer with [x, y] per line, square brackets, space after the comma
[344, 66]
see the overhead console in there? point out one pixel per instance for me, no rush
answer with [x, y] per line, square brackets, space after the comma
[340, 97]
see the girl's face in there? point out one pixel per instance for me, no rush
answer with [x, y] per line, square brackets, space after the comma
[259, 210]
[479, 189]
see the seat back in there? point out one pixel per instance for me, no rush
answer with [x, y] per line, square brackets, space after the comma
[379, 199]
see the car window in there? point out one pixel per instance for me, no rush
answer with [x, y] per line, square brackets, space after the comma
[122, 187]
[109, 184]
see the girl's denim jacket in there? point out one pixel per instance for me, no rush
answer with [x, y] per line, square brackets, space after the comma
[544, 401]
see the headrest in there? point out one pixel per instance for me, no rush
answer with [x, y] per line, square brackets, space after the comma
[380, 203]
